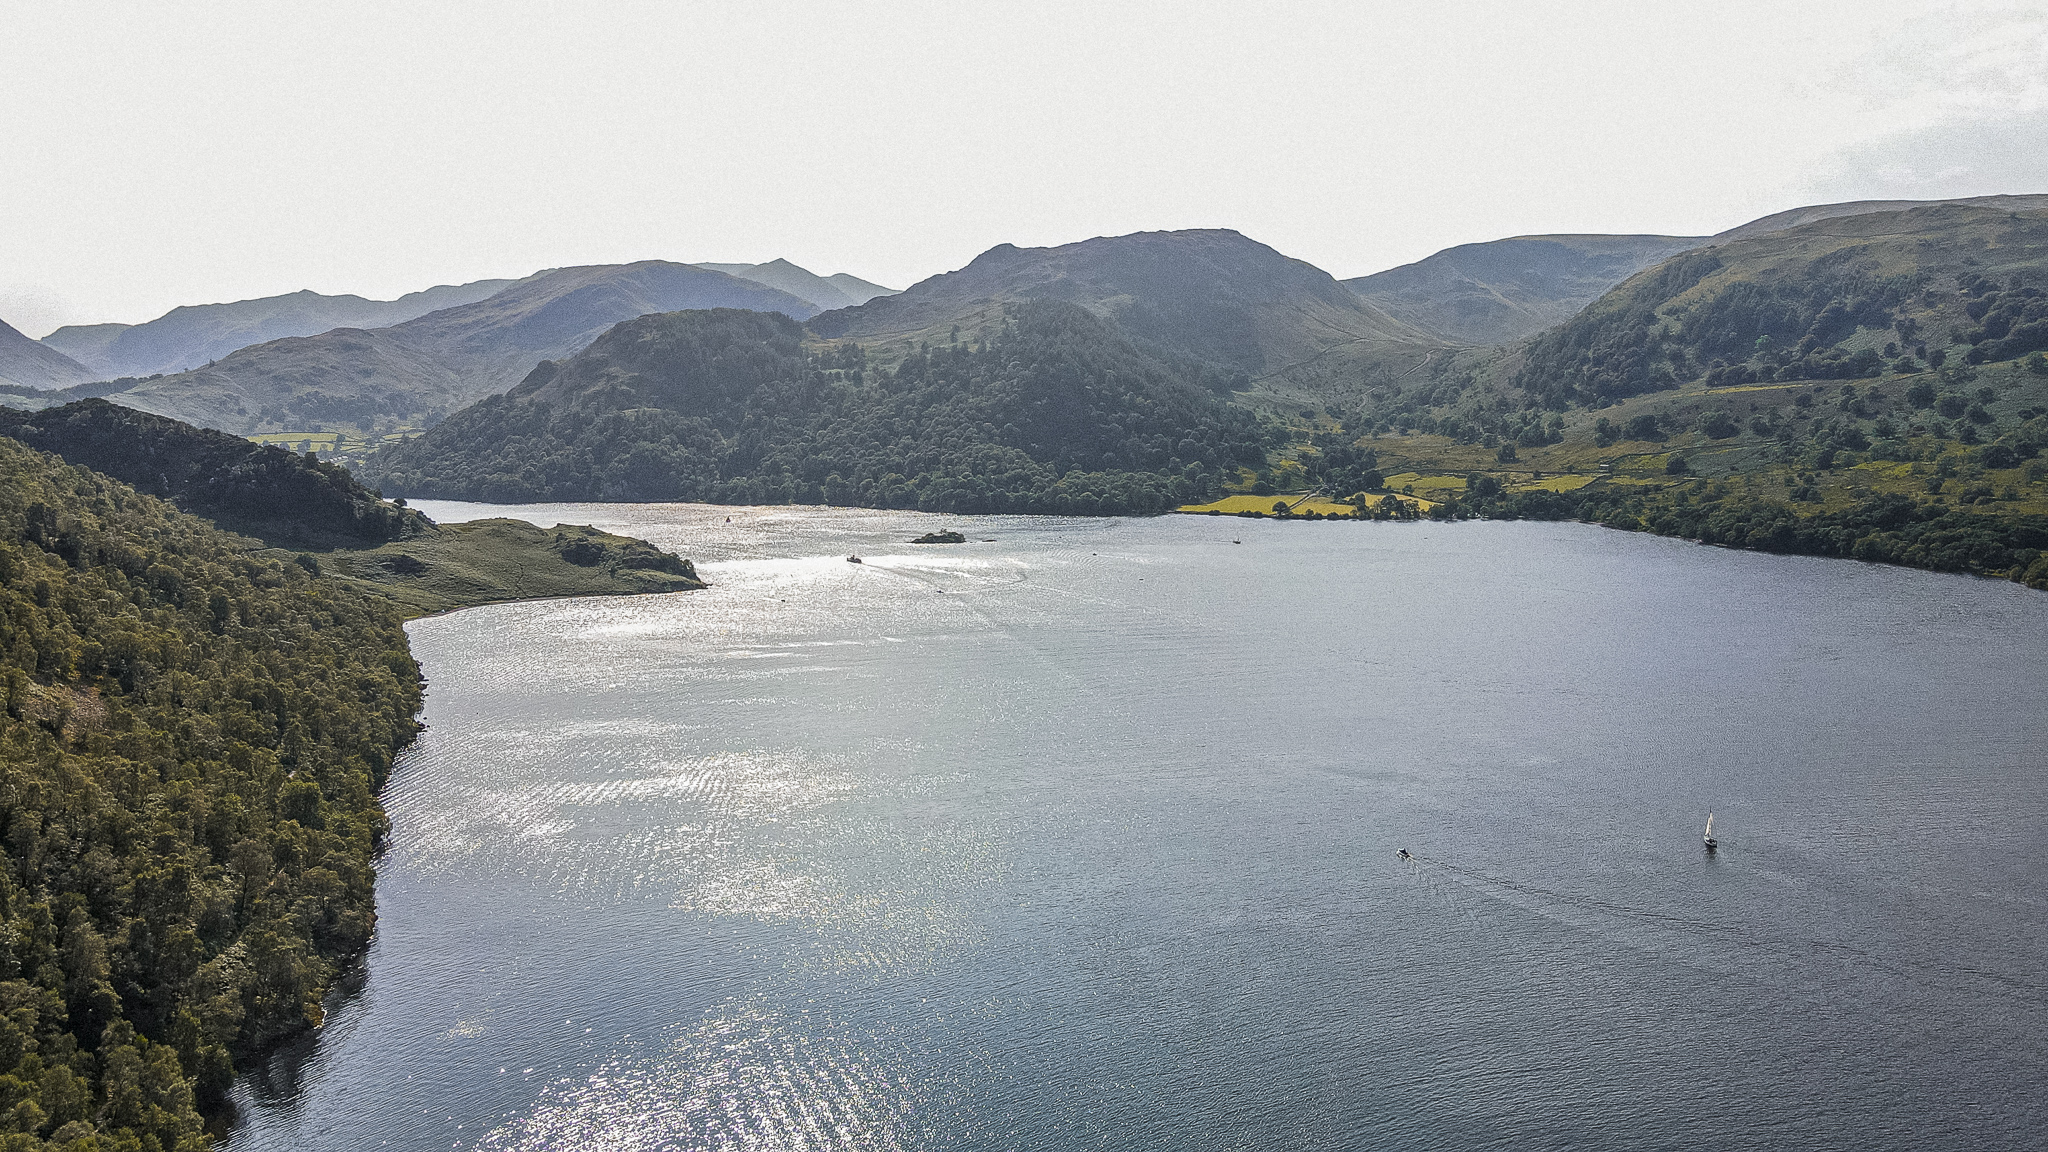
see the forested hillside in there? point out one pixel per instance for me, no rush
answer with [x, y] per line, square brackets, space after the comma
[1842, 299]
[192, 741]
[265, 492]
[1052, 412]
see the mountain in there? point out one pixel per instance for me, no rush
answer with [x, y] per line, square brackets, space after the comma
[1842, 297]
[1207, 294]
[1050, 410]
[412, 374]
[1794, 217]
[1501, 291]
[198, 334]
[27, 363]
[827, 292]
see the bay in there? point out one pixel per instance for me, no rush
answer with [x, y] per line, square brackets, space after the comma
[1084, 834]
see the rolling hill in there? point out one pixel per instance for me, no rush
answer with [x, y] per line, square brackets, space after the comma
[26, 363]
[1502, 291]
[195, 335]
[412, 374]
[1050, 410]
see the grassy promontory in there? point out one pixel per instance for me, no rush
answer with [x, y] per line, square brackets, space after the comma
[487, 561]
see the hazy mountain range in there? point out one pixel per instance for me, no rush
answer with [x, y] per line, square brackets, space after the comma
[1288, 334]
[1501, 291]
[27, 363]
[414, 373]
[198, 334]
[838, 290]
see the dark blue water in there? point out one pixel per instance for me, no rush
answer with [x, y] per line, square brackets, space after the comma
[1086, 838]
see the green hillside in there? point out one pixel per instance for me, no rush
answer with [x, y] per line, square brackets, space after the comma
[193, 738]
[1855, 297]
[268, 493]
[1871, 385]
[289, 501]
[1048, 410]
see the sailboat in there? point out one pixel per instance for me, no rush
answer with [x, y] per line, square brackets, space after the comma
[1708, 835]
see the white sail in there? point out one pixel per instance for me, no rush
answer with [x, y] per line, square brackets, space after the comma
[1710, 824]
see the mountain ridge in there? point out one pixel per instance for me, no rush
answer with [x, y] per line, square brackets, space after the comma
[30, 363]
[192, 335]
[839, 290]
[1500, 291]
[413, 373]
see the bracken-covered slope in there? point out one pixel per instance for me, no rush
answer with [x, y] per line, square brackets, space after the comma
[256, 490]
[1050, 411]
[414, 373]
[1207, 294]
[1501, 291]
[28, 363]
[191, 744]
[1841, 298]
[198, 334]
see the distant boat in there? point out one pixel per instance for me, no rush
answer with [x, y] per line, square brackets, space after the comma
[853, 560]
[1708, 835]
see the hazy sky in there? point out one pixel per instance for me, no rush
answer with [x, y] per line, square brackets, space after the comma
[163, 154]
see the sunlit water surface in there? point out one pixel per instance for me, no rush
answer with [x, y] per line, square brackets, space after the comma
[1085, 837]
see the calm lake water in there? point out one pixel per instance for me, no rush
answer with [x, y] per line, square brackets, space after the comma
[1085, 836]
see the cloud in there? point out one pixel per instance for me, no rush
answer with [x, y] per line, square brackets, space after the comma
[1967, 60]
[35, 311]
[1952, 102]
[1959, 156]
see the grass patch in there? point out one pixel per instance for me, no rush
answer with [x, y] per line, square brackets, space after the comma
[1554, 484]
[487, 561]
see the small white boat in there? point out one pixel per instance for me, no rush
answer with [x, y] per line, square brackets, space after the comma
[1708, 836]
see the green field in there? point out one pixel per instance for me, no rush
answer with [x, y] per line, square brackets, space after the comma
[1298, 505]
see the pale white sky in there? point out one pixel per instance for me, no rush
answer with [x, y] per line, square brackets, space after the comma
[161, 154]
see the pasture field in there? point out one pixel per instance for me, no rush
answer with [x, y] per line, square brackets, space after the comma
[1298, 505]
[1568, 483]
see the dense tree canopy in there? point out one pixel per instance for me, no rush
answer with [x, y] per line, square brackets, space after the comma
[1053, 413]
[192, 740]
[254, 489]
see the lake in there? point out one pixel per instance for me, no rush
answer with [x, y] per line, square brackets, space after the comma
[1084, 834]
